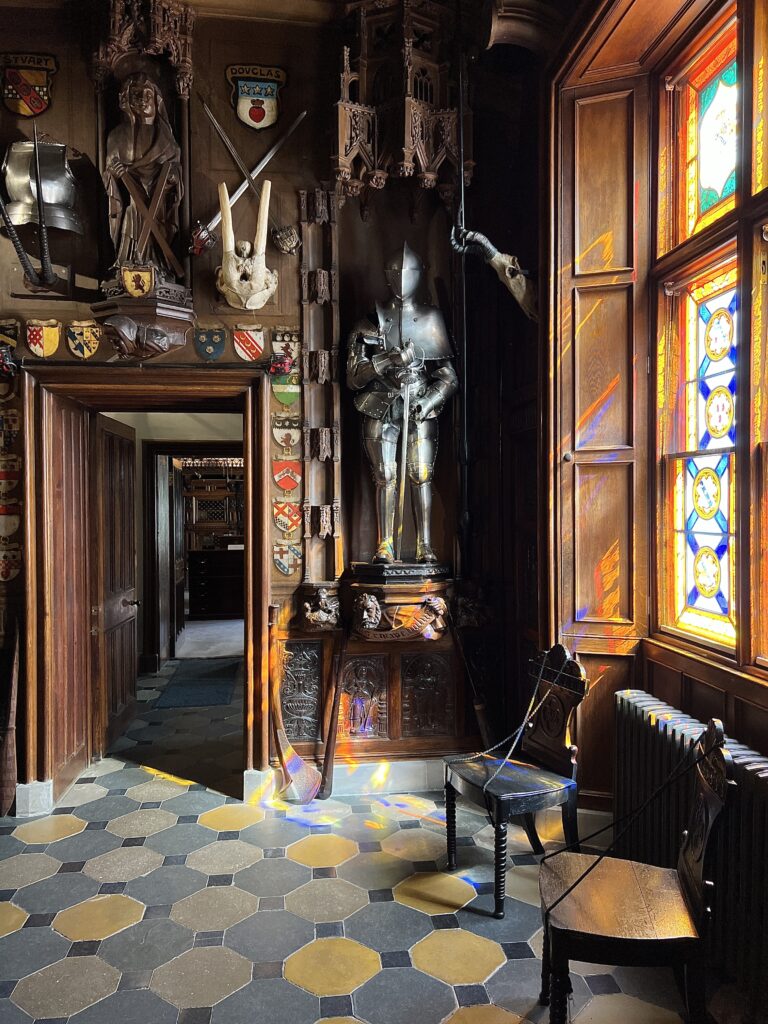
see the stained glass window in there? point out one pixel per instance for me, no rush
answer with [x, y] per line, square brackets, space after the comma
[709, 135]
[701, 482]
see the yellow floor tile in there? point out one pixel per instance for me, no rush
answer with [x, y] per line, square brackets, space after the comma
[627, 1009]
[332, 967]
[48, 830]
[98, 918]
[231, 817]
[322, 851]
[458, 957]
[484, 1015]
[11, 918]
[434, 893]
[523, 883]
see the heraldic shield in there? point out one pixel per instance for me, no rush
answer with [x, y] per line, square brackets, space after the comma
[43, 337]
[139, 282]
[287, 515]
[83, 337]
[27, 82]
[249, 341]
[254, 93]
[286, 430]
[286, 473]
[286, 387]
[209, 343]
[287, 558]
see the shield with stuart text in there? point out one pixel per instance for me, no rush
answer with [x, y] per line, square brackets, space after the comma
[287, 557]
[249, 341]
[254, 93]
[27, 79]
[286, 430]
[286, 473]
[209, 342]
[83, 337]
[43, 337]
[287, 515]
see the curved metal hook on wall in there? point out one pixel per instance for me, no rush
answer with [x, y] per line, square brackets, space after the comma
[534, 25]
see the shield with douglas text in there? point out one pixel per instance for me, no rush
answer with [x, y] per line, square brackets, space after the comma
[287, 557]
[209, 342]
[286, 473]
[43, 337]
[249, 341]
[286, 430]
[287, 515]
[27, 81]
[286, 387]
[83, 337]
[254, 93]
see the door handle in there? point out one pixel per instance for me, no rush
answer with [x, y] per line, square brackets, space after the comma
[133, 604]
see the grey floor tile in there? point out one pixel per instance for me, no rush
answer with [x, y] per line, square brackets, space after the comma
[652, 984]
[11, 1014]
[84, 846]
[271, 999]
[402, 995]
[107, 807]
[365, 828]
[125, 778]
[375, 870]
[146, 945]
[387, 927]
[166, 885]
[180, 839]
[516, 987]
[128, 1007]
[274, 832]
[9, 847]
[272, 877]
[29, 950]
[56, 893]
[266, 937]
[521, 921]
[193, 803]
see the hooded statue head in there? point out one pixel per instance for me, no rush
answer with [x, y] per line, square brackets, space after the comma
[141, 100]
[404, 271]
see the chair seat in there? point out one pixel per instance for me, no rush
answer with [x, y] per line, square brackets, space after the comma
[516, 778]
[620, 900]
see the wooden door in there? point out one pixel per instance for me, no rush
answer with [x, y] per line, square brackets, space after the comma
[177, 554]
[115, 604]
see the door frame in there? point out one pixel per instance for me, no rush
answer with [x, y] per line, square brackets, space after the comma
[143, 388]
[150, 656]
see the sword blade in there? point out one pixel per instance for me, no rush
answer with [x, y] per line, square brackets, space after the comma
[248, 176]
[406, 395]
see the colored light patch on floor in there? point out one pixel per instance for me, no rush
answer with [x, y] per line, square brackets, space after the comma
[231, 817]
[434, 893]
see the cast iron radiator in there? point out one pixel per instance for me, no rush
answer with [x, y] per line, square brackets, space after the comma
[651, 739]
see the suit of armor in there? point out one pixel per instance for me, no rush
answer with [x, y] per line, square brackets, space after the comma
[403, 346]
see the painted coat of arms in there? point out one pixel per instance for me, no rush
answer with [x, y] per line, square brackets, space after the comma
[43, 337]
[286, 430]
[10, 425]
[286, 343]
[286, 473]
[287, 558]
[254, 93]
[27, 80]
[287, 515]
[249, 341]
[209, 342]
[11, 560]
[10, 473]
[286, 387]
[138, 282]
[83, 337]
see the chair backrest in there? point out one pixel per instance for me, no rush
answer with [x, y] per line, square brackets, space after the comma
[712, 778]
[563, 684]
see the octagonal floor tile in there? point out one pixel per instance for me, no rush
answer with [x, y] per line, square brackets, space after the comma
[166, 885]
[627, 1009]
[196, 801]
[402, 995]
[323, 851]
[415, 844]
[272, 1000]
[214, 909]
[318, 812]
[142, 823]
[519, 924]
[146, 945]
[458, 957]
[273, 832]
[367, 828]
[84, 794]
[98, 918]
[387, 927]
[158, 789]
[516, 987]
[434, 893]
[55, 893]
[273, 877]
[179, 840]
[129, 1006]
[106, 808]
[376, 870]
[83, 846]
[536, 942]
[66, 987]
[11, 1014]
[231, 817]
[402, 807]
[270, 937]
[9, 847]
[224, 858]
[485, 1014]
[28, 950]
[326, 899]
[123, 864]
[24, 869]
[48, 830]
[332, 967]
[523, 883]
[11, 918]
[201, 977]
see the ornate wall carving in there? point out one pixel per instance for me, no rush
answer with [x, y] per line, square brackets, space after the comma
[428, 695]
[302, 687]
[363, 709]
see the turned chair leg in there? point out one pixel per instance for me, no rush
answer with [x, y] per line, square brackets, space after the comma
[529, 824]
[500, 868]
[560, 990]
[450, 824]
[695, 1002]
[571, 822]
[545, 972]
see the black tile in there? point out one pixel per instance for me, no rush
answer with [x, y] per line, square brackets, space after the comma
[71, 867]
[336, 1006]
[329, 930]
[360, 808]
[175, 858]
[89, 948]
[62, 810]
[220, 880]
[272, 903]
[465, 840]
[197, 1015]
[369, 847]
[209, 939]
[110, 888]
[38, 920]
[196, 787]
[149, 805]
[5, 830]
[483, 888]
[116, 792]
[36, 848]
[425, 865]
[6, 987]
[320, 830]
[160, 911]
[6, 895]
[323, 872]
[188, 819]
[517, 950]
[397, 958]
[471, 995]
[522, 859]
[51, 1020]
[273, 969]
[135, 979]
[224, 836]
[273, 852]
[410, 824]
[134, 841]
[96, 826]
[85, 779]
[445, 921]
[602, 984]
[381, 896]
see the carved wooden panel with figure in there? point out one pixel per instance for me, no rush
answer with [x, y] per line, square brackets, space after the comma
[301, 688]
[428, 695]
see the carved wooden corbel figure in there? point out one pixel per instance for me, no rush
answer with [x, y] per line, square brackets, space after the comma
[507, 268]
[243, 278]
[424, 619]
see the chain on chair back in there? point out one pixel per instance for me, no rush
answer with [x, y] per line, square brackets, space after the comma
[562, 688]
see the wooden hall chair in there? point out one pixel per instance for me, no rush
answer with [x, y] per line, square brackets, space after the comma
[632, 914]
[512, 790]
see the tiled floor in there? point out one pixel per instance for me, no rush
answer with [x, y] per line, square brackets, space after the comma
[150, 899]
[218, 638]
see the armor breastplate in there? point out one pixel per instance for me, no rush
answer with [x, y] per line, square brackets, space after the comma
[58, 183]
[422, 325]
